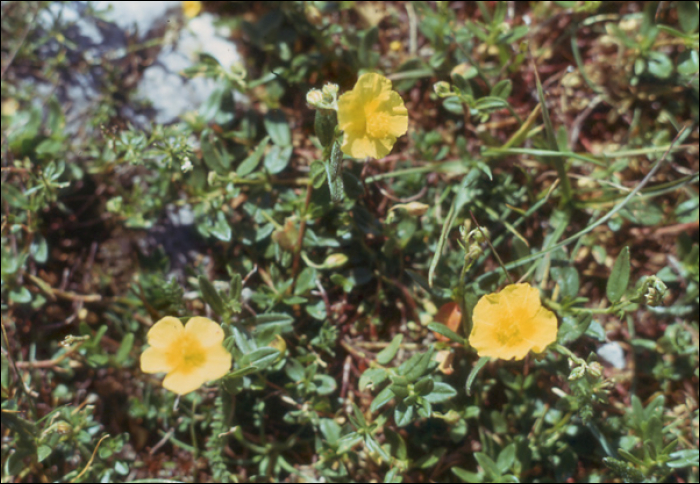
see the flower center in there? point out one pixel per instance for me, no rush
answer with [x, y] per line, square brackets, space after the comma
[187, 354]
[509, 334]
[378, 122]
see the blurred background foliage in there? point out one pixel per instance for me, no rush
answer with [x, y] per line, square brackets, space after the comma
[113, 218]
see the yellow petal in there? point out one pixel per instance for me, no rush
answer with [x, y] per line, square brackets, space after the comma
[371, 86]
[155, 360]
[204, 330]
[351, 113]
[165, 332]
[183, 381]
[521, 300]
[544, 326]
[218, 363]
[398, 114]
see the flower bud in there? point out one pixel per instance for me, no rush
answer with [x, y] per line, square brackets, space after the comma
[442, 89]
[279, 344]
[334, 261]
[314, 98]
[414, 209]
[330, 92]
[595, 369]
[577, 373]
[656, 290]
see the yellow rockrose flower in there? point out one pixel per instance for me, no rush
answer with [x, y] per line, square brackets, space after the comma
[512, 322]
[191, 9]
[190, 354]
[372, 117]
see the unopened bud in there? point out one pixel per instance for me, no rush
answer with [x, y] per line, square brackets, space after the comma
[656, 290]
[330, 92]
[577, 373]
[63, 428]
[595, 369]
[279, 344]
[334, 261]
[314, 98]
[414, 209]
[442, 89]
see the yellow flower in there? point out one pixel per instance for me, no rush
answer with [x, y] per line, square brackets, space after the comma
[190, 354]
[191, 9]
[512, 322]
[372, 117]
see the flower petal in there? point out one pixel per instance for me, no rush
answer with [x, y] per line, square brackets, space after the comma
[204, 330]
[351, 113]
[218, 363]
[183, 381]
[398, 119]
[371, 85]
[544, 326]
[522, 301]
[155, 360]
[165, 332]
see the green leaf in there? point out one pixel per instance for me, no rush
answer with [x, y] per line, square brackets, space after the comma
[14, 197]
[278, 128]
[403, 414]
[572, 328]
[660, 65]
[262, 357]
[214, 154]
[441, 393]
[424, 386]
[364, 53]
[440, 328]
[374, 447]
[221, 229]
[393, 476]
[334, 172]
[475, 371]
[270, 318]
[684, 458]
[124, 349]
[385, 356]
[619, 277]
[327, 384]
[241, 372]
[347, 442]
[211, 296]
[249, 165]
[381, 399]
[502, 89]
[688, 16]
[278, 158]
[506, 458]
[372, 378]
[331, 430]
[688, 62]
[39, 249]
[21, 295]
[465, 475]
[397, 444]
[431, 458]
[568, 280]
[488, 465]
[415, 366]
[43, 452]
